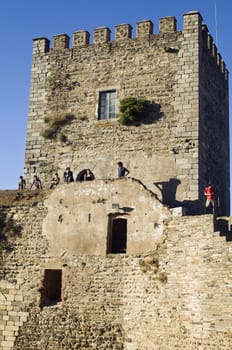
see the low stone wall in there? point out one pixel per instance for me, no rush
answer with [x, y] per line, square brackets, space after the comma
[11, 316]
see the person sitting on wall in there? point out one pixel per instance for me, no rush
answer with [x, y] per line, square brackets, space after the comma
[88, 176]
[68, 175]
[122, 171]
[55, 181]
[37, 183]
[209, 193]
[21, 183]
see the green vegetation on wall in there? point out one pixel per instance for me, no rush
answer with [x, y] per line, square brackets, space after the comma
[54, 124]
[131, 110]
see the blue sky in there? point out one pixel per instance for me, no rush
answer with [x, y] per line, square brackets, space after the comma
[23, 20]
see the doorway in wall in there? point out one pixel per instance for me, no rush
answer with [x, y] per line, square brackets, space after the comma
[117, 235]
[51, 288]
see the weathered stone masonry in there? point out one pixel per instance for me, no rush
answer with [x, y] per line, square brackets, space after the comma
[174, 294]
[112, 264]
[183, 142]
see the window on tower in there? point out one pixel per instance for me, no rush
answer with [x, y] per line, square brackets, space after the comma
[107, 105]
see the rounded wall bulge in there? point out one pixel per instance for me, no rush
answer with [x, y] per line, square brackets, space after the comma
[82, 216]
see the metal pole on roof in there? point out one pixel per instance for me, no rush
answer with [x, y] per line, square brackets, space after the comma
[216, 24]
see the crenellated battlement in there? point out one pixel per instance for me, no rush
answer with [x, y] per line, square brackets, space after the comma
[123, 32]
[102, 35]
[209, 45]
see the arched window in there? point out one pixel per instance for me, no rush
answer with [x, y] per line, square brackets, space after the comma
[83, 175]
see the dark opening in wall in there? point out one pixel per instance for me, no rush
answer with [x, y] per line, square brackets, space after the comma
[117, 236]
[51, 288]
[85, 175]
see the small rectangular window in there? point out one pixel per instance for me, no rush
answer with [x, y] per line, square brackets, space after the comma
[107, 105]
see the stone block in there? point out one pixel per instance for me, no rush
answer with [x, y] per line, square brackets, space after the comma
[178, 211]
[7, 344]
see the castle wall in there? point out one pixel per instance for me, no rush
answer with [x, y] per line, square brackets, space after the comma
[214, 123]
[163, 68]
[177, 294]
[104, 264]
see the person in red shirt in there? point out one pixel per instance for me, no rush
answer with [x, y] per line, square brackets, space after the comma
[209, 193]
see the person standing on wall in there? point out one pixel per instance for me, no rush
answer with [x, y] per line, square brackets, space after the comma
[122, 171]
[209, 193]
[68, 175]
[37, 183]
[55, 181]
[21, 183]
[88, 176]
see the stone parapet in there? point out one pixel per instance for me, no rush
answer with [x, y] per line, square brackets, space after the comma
[101, 35]
[167, 25]
[81, 38]
[61, 42]
[123, 32]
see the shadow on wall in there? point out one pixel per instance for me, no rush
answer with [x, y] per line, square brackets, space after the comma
[224, 226]
[149, 114]
[168, 191]
[8, 231]
[153, 113]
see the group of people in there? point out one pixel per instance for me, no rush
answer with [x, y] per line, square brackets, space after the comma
[209, 191]
[67, 178]
[35, 183]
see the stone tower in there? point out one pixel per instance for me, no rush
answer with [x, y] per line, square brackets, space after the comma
[182, 141]
[111, 264]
